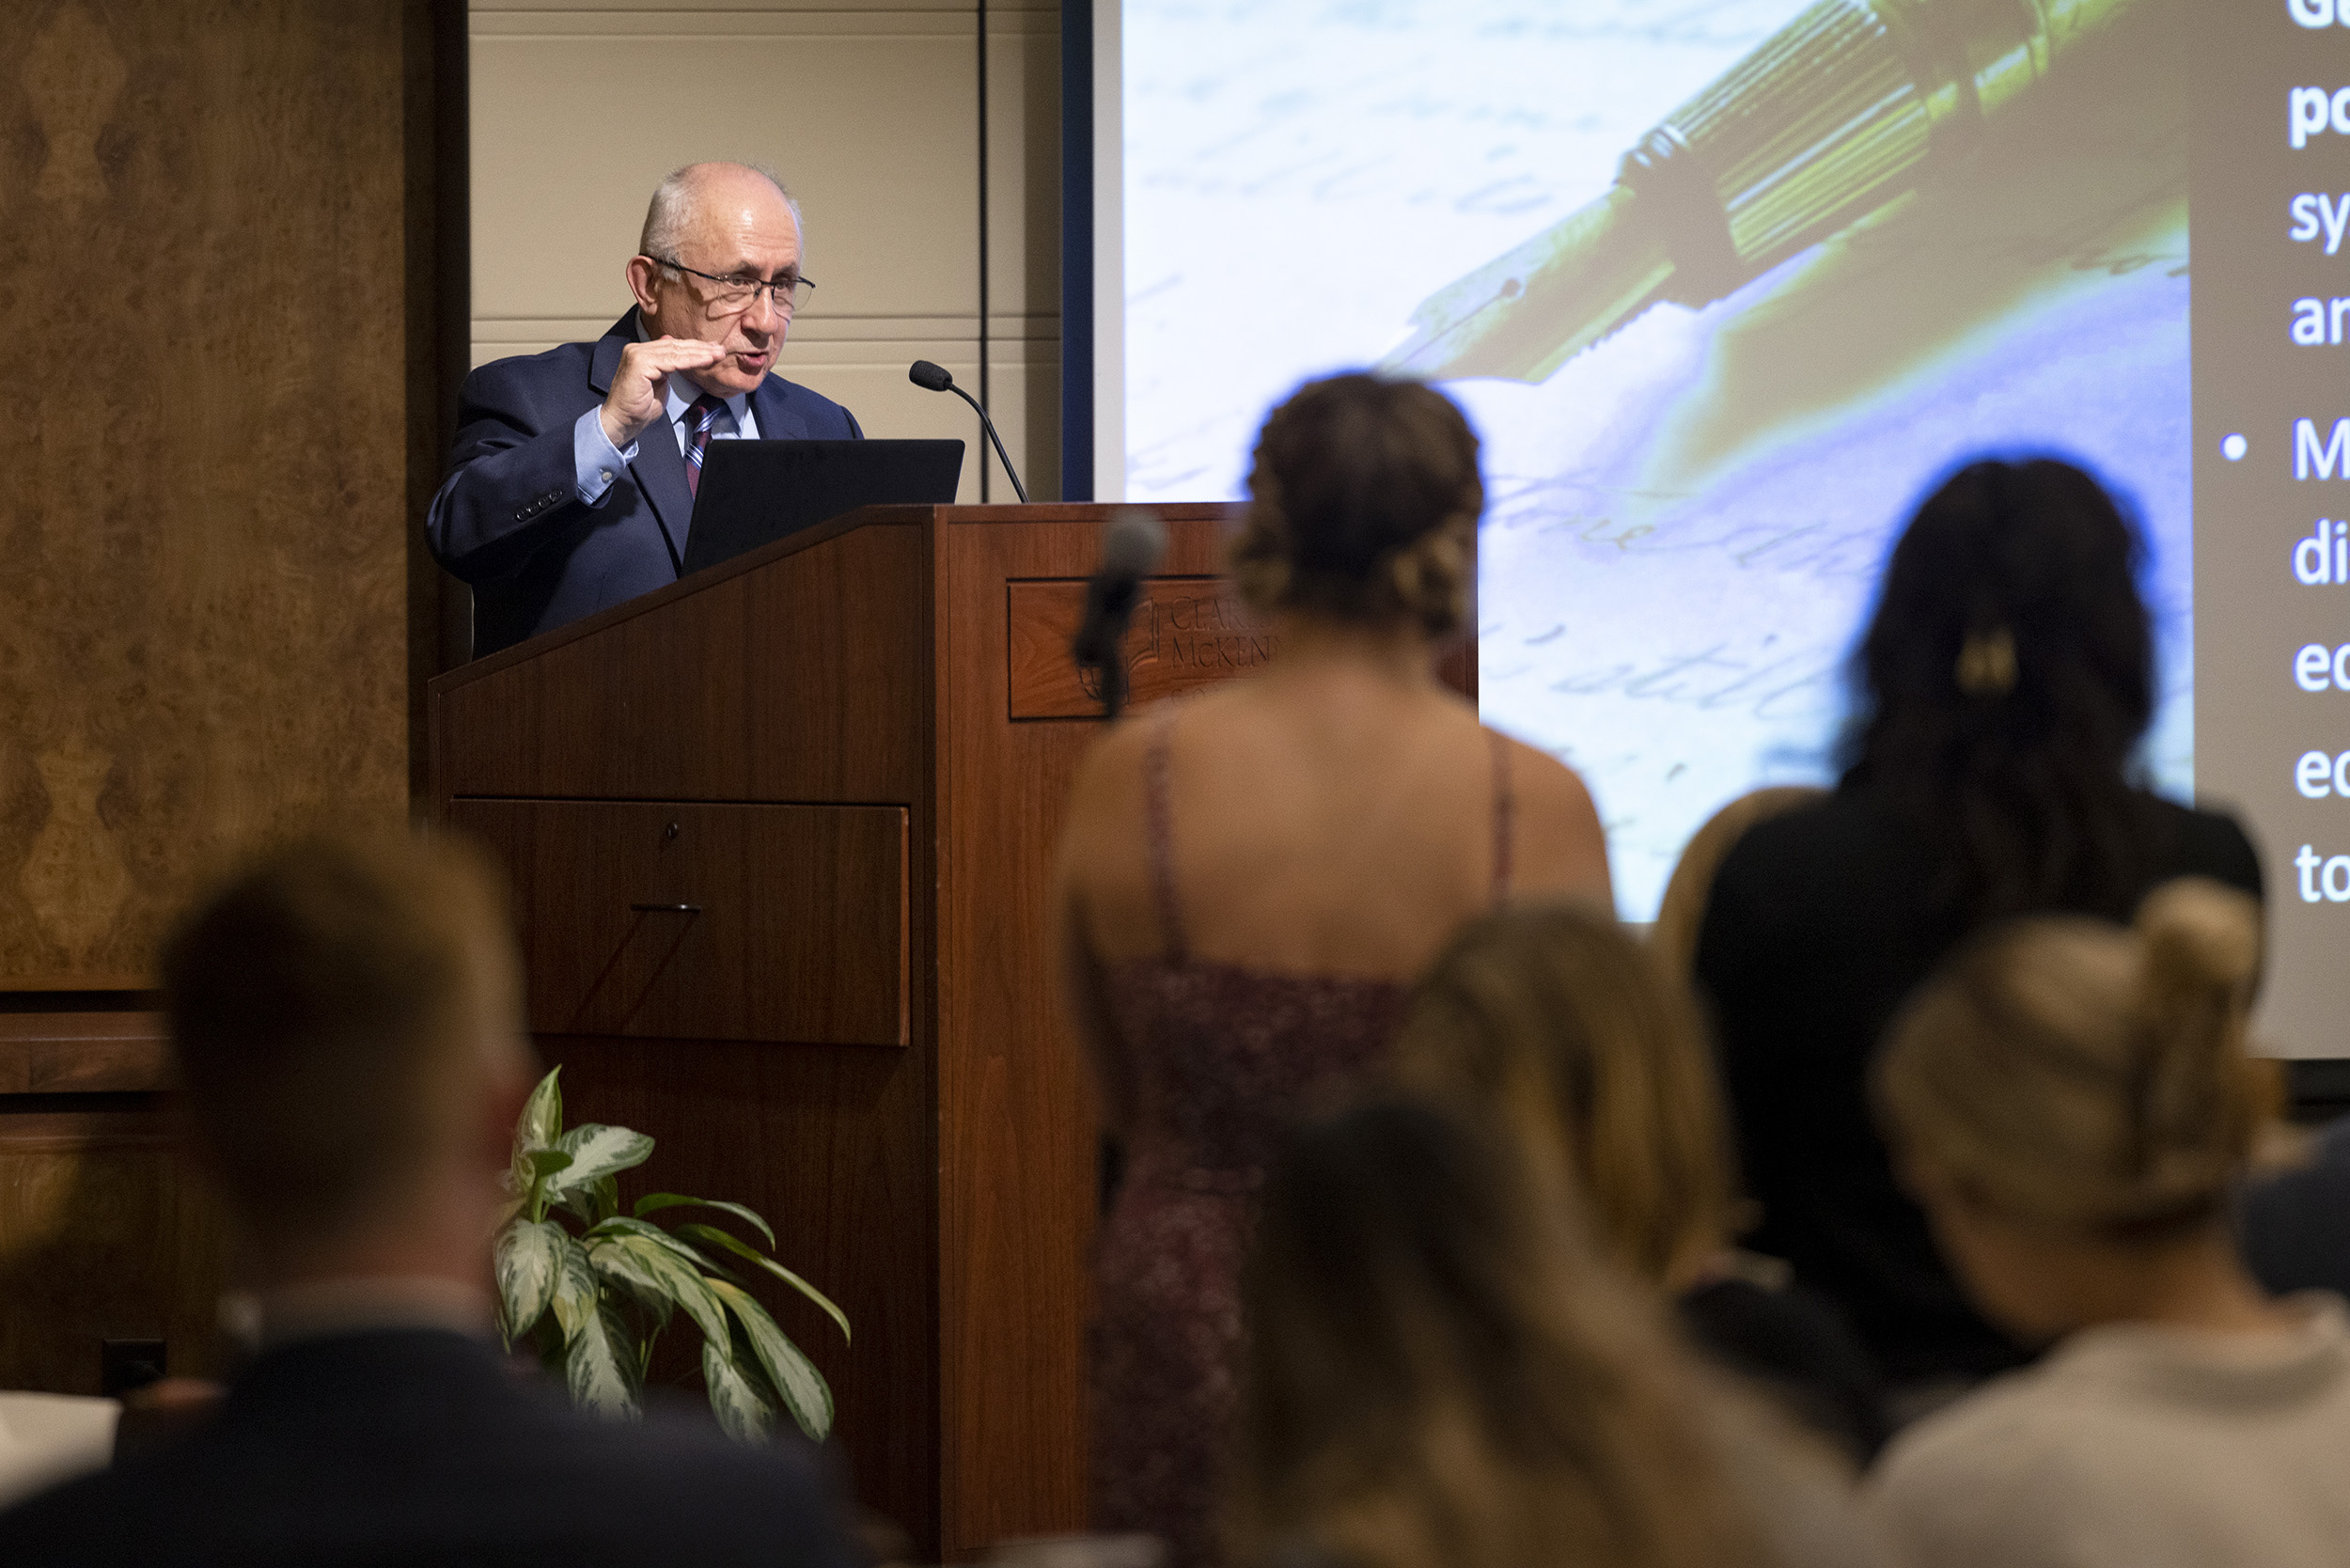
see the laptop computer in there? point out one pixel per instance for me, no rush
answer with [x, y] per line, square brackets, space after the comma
[754, 492]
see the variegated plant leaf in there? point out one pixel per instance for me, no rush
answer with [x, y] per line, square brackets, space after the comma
[600, 1365]
[576, 1291]
[529, 1261]
[678, 1281]
[803, 1388]
[593, 1203]
[621, 1225]
[597, 1152]
[653, 1203]
[542, 1116]
[709, 1235]
[620, 1268]
[734, 1396]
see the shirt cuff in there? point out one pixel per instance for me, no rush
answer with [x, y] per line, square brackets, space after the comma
[595, 461]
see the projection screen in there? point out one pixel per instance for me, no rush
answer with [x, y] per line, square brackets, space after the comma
[1725, 288]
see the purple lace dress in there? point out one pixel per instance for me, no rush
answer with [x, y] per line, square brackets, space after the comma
[1221, 1060]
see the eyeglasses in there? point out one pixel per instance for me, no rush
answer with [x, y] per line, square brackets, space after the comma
[732, 296]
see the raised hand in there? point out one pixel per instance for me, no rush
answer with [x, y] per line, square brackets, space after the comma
[640, 387]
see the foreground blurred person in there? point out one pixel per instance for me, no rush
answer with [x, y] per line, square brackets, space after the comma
[1554, 1028]
[346, 1021]
[2074, 1103]
[1440, 1377]
[2007, 677]
[1251, 879]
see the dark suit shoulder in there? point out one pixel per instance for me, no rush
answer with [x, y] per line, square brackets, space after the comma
[403, 1446]
[562, 364]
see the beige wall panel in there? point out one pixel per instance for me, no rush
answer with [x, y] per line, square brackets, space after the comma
[887, 404]
[1024, 239]
[1024, 163]
[1025, 401]
[871, 116]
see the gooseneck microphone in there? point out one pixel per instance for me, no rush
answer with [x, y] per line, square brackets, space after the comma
[1132, 543]
[935, 378]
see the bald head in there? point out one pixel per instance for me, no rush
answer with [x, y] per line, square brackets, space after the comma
[702, 202]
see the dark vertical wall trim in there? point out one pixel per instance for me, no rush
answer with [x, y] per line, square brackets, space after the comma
[438, 303]
[1077, 250]
[453, 156]
[987, 381]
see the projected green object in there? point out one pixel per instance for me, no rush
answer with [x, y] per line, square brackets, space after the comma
[1847, 107]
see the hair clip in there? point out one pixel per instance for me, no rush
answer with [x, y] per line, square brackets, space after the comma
[1986, 664]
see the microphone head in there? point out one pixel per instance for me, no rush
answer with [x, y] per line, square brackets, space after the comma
[929, 377]
[1133, 542]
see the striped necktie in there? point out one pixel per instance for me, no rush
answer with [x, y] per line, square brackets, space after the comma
[704, 413]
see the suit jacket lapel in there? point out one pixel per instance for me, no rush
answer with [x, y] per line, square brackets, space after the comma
[660, 470]
[605, 362]
[777, 419]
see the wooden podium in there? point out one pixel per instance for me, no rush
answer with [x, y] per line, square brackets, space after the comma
[780, 836]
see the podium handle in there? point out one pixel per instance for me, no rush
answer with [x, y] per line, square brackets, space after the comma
[666, 908]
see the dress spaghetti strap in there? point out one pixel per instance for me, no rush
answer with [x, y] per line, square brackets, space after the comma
[1157, 778]
[1505, 812]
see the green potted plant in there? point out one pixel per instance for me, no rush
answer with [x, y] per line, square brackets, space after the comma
[593, 1299]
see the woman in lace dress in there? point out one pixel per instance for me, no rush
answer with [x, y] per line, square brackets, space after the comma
[1251, 877]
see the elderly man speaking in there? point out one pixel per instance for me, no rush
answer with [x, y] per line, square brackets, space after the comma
[572, 483]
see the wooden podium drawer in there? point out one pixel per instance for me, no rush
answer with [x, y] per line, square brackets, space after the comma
[631, 913]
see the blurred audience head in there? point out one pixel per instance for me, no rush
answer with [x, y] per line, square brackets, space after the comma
[1438, 1374]
[1562, 1033]
[2007, 676]
[347, 1023]
[1363, 504]
[2066, 1087]
[1682, 914]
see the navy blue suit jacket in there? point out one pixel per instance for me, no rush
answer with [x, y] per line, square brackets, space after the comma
[417, 1447]
[509, 519]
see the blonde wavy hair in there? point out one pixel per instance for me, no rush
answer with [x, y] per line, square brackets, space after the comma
[2065, 1070]
[1439, 1375]
[1364, 497]
[1555, 1026]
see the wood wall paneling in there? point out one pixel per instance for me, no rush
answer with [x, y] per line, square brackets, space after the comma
[83, 1053]
[202, 631]
[103, 1236]
[217, 221]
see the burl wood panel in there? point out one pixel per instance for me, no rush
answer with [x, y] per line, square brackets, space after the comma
[203, 625]
[710, 922]
[102, 1236]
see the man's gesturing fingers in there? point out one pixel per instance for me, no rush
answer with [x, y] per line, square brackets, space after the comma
[640, 385]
